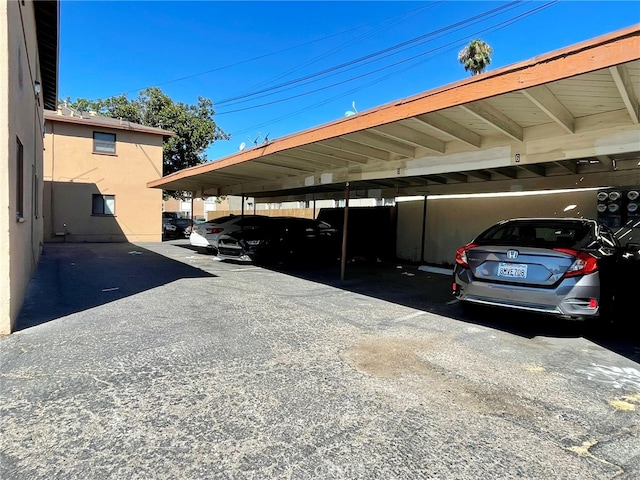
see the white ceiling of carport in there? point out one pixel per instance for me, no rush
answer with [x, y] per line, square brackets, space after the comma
[563, 120]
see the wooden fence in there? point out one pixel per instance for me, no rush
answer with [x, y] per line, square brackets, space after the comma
[280, 212]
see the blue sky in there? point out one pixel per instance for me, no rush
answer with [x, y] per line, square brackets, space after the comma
[276, 68]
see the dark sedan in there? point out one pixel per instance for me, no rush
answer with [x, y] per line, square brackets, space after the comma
[178, 228]
[282, 240]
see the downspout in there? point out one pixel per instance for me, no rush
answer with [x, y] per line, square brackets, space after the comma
[32, 220]
[51, 195]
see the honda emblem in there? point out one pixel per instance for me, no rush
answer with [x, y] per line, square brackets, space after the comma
[512, 254]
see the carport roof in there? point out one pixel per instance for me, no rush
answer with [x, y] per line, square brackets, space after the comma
[553, 121]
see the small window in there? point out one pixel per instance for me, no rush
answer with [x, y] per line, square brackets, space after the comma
[104, 143]
[103, 205]
[19, 179]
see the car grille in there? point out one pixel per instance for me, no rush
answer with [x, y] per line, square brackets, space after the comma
[229, 252]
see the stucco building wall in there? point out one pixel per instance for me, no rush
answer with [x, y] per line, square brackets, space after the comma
[453, 222]
[21, 114]
[74, 173]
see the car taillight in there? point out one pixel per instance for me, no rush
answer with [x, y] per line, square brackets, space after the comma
[214, 230]
[583, 264]
[461, 255]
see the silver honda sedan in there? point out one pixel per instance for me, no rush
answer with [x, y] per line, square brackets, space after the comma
[559, 266]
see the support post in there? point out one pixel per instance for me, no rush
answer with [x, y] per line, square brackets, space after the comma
[424, 228]
[345, 223]
[242, 211]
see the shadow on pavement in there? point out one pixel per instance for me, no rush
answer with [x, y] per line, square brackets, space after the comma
[407, 285]
[72, 277]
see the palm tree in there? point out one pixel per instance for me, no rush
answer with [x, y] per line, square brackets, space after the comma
[476, 56]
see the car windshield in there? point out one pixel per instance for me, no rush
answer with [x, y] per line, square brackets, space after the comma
[550, 234]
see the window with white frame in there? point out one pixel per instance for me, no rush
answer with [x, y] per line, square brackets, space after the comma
[103, 204]
[104, 143]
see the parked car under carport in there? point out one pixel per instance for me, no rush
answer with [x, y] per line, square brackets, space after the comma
[283, 240]
[572, 268]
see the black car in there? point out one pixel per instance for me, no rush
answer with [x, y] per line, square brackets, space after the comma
[282, 240]
[178, 228]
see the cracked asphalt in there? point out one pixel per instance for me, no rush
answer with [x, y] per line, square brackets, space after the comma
[151, 361]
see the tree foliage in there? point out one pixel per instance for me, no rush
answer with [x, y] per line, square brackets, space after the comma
[475, 57]
[193, 125]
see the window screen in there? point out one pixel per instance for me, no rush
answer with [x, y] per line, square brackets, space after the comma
[104, 142]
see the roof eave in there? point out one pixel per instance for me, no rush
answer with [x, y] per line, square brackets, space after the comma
[597, 53]
[125, 125]
[47, 17]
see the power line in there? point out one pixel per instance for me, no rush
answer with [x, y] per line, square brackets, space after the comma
[350, 63]
[260, 57]
[391, 22]
[441, 31]
[442, 48]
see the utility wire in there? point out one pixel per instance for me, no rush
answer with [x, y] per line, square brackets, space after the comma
[499, 26]
[385, 67]
[371, 55]
[391, 22]
[260, 57]
[307, 82]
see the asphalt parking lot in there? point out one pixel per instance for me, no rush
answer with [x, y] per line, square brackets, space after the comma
[151, 361]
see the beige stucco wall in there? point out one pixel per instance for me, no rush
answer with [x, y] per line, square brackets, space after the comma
[453, 222]
[73, 173]
[199, 207]
[20, 118]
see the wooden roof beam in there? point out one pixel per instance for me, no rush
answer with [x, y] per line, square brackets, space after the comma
[546, 101]
[569, 165]
[490, 115]
[282, 170]
[346, 146]
[479, 174]
[313, 156]
[409, 135]
[624, 84]
[607, 161]
[436, 179]
[508, 172]
[383, 143]
[536, 169]
[451, 128]
[455, 176]
[293, 161]
[419, 180]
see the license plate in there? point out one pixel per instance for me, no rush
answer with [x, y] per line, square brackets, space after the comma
[512, 270]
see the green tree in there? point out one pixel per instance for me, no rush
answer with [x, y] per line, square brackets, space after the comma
[193, 125]
[475, 57]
